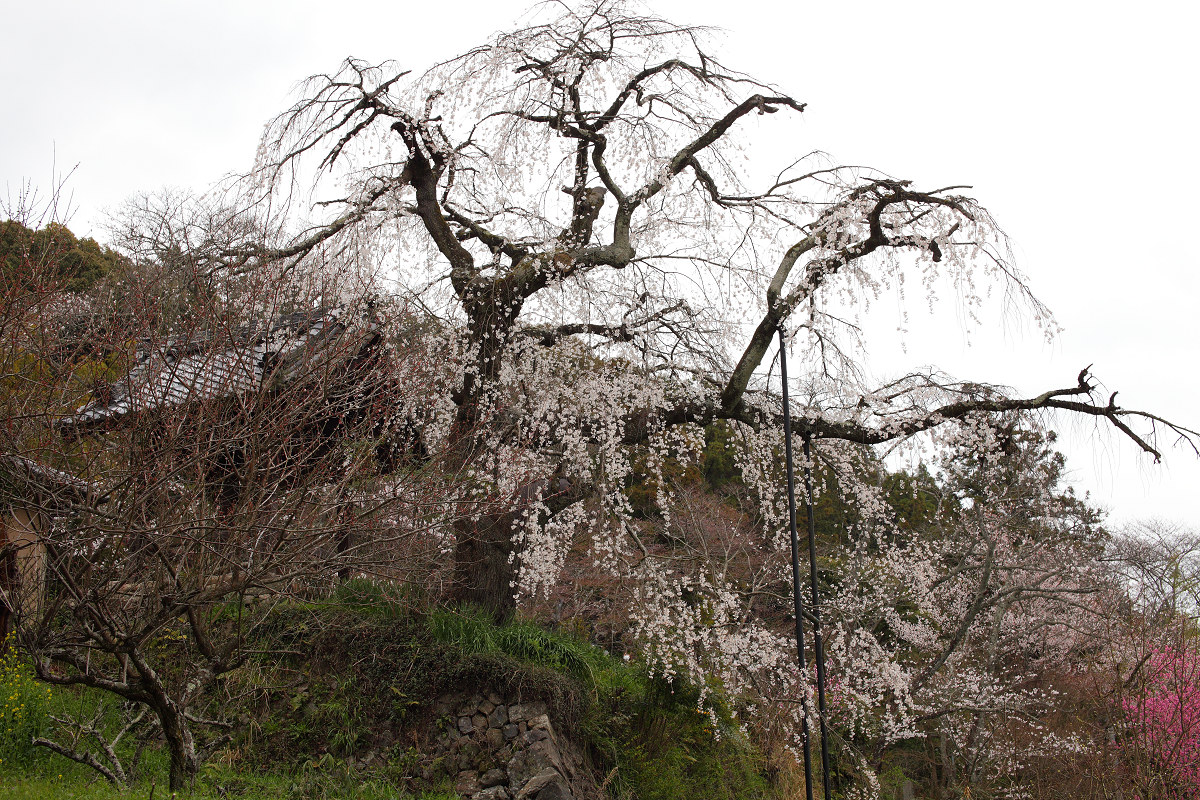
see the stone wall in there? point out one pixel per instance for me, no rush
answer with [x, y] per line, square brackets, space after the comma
[496, 750]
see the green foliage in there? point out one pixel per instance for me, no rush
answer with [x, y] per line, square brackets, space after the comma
[718, 463]
[662, 745]
[19, 786]
[33, 258]
[31, 708]
[328, 778]
[916, 499]
[644, 485]
[316, 783]
[367, 596]
[364, 670]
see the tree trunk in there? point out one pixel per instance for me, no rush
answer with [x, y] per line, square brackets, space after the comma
[484, 573]
[485, 558]
[180, 744]
[945, 749]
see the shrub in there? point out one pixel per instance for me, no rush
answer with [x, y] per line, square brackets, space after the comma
[1164, 718]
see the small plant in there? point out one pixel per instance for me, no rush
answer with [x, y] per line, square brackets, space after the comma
[23, 708]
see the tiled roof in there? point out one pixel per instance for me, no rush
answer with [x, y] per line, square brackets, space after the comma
[40, 484]
[189, 370]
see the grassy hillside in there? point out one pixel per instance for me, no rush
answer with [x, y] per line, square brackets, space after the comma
[339, 702]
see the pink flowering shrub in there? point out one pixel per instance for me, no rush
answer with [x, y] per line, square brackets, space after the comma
[1163, 747]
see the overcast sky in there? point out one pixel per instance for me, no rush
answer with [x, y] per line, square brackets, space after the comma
[1075, 124]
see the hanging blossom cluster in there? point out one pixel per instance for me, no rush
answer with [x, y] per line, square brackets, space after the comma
[562, 447]
[948, 237]
[559, 418]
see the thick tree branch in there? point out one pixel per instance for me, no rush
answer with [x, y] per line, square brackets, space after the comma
[426, 172]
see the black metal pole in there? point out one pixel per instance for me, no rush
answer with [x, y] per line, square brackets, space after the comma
[819, 645]
[798, 608]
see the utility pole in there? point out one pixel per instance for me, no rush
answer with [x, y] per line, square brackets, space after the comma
[819, 650]
[798, 607]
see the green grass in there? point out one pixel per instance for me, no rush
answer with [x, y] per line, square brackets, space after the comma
[472, 632]
[26, 710]
[214, 786]
[665, 746]
[21, 787]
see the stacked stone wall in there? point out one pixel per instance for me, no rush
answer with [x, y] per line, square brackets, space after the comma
[498, 750]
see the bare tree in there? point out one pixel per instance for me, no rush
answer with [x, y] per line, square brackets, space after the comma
[1158, 564]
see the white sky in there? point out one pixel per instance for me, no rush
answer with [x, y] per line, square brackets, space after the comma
[1076, 124]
